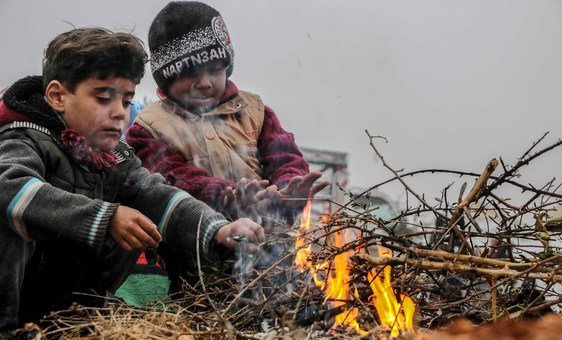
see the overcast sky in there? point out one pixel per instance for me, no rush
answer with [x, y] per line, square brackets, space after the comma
[450, 84]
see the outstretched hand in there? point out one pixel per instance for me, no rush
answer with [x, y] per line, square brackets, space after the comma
[132, 230]
[297, 191]
[240, 232]
[243, 196]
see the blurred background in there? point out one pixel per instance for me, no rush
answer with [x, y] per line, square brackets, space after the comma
[449, 83]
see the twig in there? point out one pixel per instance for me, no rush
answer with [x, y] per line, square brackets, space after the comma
[455, 267]
[228, 326]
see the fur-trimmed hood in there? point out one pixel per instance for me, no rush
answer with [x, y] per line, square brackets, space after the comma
[24, 101]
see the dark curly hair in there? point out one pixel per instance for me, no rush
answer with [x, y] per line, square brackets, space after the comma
[87, 52]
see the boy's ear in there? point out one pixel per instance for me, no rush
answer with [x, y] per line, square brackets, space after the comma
[160, 93]
[55, 94]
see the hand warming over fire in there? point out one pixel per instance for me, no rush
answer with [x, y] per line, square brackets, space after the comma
[243, 196]
[240, 232]
[132, 230]
[296, 192]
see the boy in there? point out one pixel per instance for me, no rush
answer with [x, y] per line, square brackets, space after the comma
[76, 206]
[222, 145]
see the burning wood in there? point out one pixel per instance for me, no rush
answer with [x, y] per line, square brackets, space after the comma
[481, 257]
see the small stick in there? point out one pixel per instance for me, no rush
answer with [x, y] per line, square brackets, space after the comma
[494, 300]
[304, 199]
[472, 259]
[455, 267]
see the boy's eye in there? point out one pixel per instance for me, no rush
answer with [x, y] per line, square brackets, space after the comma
[215, 69]
[126, 103]
[104, 100]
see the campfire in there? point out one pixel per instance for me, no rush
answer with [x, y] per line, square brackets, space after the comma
[336, 281]
[469, 254]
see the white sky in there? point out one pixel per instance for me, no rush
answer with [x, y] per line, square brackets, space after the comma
[450, 83]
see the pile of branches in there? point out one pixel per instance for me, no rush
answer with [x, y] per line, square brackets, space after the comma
[484, 257]
[478, 256]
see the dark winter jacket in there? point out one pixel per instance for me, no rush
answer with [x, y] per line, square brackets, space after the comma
[48, 196]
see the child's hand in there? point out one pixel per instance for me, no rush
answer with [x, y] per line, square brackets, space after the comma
[131, 230]
[246, 193]
[243, 230]
[297, 191]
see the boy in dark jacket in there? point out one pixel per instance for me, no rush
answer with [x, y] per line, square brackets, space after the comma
[76, 205]
[222, 145]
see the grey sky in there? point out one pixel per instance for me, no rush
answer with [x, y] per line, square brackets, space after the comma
[450, 83]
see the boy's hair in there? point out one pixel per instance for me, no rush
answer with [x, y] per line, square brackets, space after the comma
[87, 52]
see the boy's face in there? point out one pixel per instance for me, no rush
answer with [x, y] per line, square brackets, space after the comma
[99, 110]
[201, 90]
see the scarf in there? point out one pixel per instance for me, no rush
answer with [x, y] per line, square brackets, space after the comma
[82, 152]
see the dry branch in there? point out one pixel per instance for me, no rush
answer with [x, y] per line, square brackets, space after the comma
[482, 257]
[457, 267]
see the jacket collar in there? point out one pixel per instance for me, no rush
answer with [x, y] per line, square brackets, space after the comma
[231, 103]
[24, 101]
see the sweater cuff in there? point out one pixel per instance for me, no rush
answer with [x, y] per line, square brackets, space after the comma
[95, 229]
[208, 235]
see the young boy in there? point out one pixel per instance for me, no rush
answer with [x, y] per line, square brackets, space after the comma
[222, 145]
[76, 205]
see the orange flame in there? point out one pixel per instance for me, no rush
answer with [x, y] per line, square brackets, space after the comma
[393, 315]
[301, 258]
[336, 285]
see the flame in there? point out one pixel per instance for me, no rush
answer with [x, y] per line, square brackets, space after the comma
[301, 258]
[337, 285]
[337, 278]
[393, 315]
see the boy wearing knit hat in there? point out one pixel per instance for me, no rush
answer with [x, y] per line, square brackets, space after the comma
[76, 205]
[222, 145]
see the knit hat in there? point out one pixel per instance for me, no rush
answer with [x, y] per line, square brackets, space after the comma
[187, 34]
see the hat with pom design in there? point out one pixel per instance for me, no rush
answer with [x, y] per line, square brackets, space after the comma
[184, 35]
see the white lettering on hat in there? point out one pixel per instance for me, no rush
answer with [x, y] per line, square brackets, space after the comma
[204, 56]
[178, 66]
[214, 54]
[222, 53]
[194, 60]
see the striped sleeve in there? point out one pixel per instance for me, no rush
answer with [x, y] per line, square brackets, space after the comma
[98, 224]
[18, 205]
[170, 207]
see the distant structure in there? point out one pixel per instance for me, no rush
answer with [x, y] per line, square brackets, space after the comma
[334, 167]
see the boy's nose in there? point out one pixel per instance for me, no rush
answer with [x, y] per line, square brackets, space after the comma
[119, 111]
[204, 80]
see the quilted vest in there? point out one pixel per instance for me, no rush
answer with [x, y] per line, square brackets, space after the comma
[222, 141]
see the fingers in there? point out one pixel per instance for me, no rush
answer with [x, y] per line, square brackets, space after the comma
[318, 187]
[258, 232]
[132, 230]
[229, 197]
[138, 239]
[308, 180]
[303, 186]
[247, 191]
[314, 175]
[275, 195]
[249, 229]
[294, 184]
[149, 235]
[124, 244]
[261, 195]
[236, 233]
